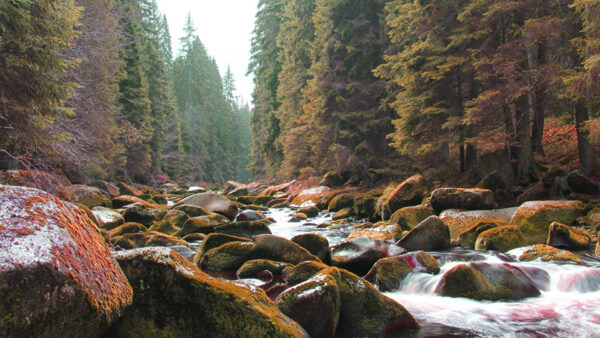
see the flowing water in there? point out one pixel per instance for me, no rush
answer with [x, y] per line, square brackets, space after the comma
[569, 305]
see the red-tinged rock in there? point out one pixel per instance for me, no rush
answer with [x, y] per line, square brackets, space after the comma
[57, 275]
[126, 189]
[460, 198]
[358, 255]
[408, 193]
[212, 202]
[88, 196]
[49, 182]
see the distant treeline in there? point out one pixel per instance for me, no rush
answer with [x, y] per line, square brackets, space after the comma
[91, 87]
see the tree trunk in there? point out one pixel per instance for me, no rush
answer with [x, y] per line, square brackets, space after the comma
[509, 131]
[537, 129]
[526, 166]
[587, 158]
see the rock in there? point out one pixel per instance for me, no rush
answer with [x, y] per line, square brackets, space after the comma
[333, 180]
[311, 211]
[245, 229]
[341, 201]
[314, 304]
[173, 298]
[49, 182]
[195, 237]
[551, 174]
[176, 217]
[548, 253]
[109, 189]
[430, 235]
[388, 273]
[165, 227]
[343, 214]
[203, 224]
[55, 265]
[192, 210]
[315, 244]
[248, 215]
[358, 255]
[421, 261]
[485, 281]
[88, 196]
[215, 240]
[364, 204]
[298, 217]
[212, 202]
[126, 189]
[127, 228]
[408, 217]
[227, 257]
[304, 271]
[502, 239]
[125, 200]
[534, 218]
[106, 218]
[280, 249]
[232, 185]
[310, 196]
[579, 183]
[256, 268]
[132, 240]
[159, 239]
[467, 238]
[137, 212]
[563, 236]
[365, 311]
[502, 194]
[459, 198]
[384, 233]
[534, 193]
[241, 191]
[459, 220]
[408, 193]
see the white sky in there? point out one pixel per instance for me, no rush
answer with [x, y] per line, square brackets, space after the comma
[224, 27]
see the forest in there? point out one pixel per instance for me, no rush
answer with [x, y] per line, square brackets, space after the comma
[92, 89]
[377, 88]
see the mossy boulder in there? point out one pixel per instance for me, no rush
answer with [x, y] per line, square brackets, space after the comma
[127, 228]
[408, 193]
[468, 237]
[315, 244]
[215, 240]
[248, 215]
[106, 218]
[132, 240]
[388, 273]
[159, 239]
[176, 217]
[461, 220]
[430, 235]
[126, 189]
[359, 254]
[566, 237]
[461, 198]
[534, 218]
[311, 196]
[333, 180]
[304, 271]
[203, 224]
[280, 249]
[192, 210]
[547, 253]
[314, 304]
[245, 229]
[57, 275]
[125, 200]
[340, 202]
[298, 217]
[502, 239]
[579, 183]
[485, 281]
[212, 202]
[365, 204]
[195, 237]
[139, 213]
[88, 196]
[381, 232]
[408, 217]
[165, 227]
[256, 269]
[343, 214]
[173, 298]
[49, 182]
[227, 257]
[311, 211]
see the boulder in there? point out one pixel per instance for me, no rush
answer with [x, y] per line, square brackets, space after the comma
[387, 273]
[496, 183]
[212, 202]
[194, 238]
[358, 255]
[245, 229]
[88, 196]
[57, 275]
[192, 210]
[534, 218]
[49, 182]
[547, 253]
[172, 298]
[127, 228]
[365, 204]
[408, 193]
[382, 232]
[304, 271]
[107, 218]
[314, 304]
[468, 237]
[461, 220]
[227, 257]
[340, 202]
[165, 227]
[215, 240]
[579, 183]
[485, 281]
[565, 237]
[132, 240]
[298, 217]
[280, 249]
[126, 189]
[460, 198]
[311, 211]
[203, 224]
[430, 235]
[310, 196]
[315, 244]
[408, 217]
[248, 215]
[502, 239]
[139, 213]
[159, 239]
[125, 200]
[256, 269]
[109, 189]
[343, 214]
[333, 180]
[176, 217]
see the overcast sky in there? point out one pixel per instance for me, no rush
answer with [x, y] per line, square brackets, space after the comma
[224, 26]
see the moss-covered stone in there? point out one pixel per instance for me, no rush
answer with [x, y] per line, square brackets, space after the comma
[203, 224]
[299, 217]
[106, 218]
[215, 240]
[88, 196]
[358, 255]
[315, 244]
[311, 211]
[165, 240]
[280, 249]
[460, 198]
[227, 257]
[253, 268]
[382, 232]
[534, 218]
[212, 202]
[408, 193]
[502, 239]
[388, 273]
[340, 202]
[165, 227]
[468, 237]
[124, 200]
[192, 210]
[343, 214]
[132, 240]
[430, 235]
[311, 196]
[195, 237]
[304, 271]
[333, 180]
[566, 237]
[176, 217]
[139, 213]
[547, 253]
[408, 217]
[172, 298]
[245, 229]
[365, 204]
[127, 228]
[460, 220]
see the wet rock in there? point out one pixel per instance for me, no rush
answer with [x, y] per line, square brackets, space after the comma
[195, 237]
[502, 239]
[365, 311]
[227, 257]
[310, 212]
[358, 255]
[341, 201]
[106, 218]
[248, 215]
[173, 298]
[548, 253]
[88, 196]
[192, 210]
[215, 240]
[408, 217]
[430, 235]
[138, 213]
[502, 194]
[126, 189]
[314, 304]
[109, 189]
[383, 232]
[203, 224]
[280, 249]
[460, 220]
[408, 193]
[310, 196]
[212, 202]
[365, 204]
[579, 183]
[563, 236]
[50, 182]
[484, 281]
[298, 217]
[304, 271]
[127, 228]
[388, 273]
[534, 193]
[315, 244]
[459, 198]
[256, 268]
[132, 240]
[176, 217]
[420, 261]
[468, 238]
[125, 200]
[246, 229]
[159, 239]
[534, 218]
[54, 264]
[343, 214]
[333, 180]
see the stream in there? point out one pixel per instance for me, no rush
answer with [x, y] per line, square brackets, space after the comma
[569, 305]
